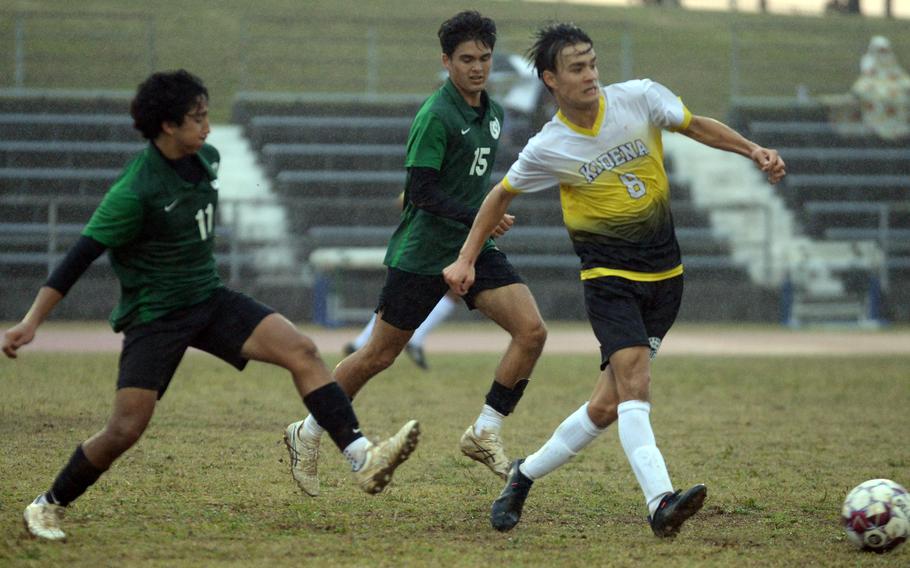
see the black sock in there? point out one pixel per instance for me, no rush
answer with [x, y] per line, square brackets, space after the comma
[333, 412]
[72, 481]
[502, 399]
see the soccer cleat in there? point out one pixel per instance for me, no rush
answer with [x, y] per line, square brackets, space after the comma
[487, 449]
[675, 508]
[304, 453]
[507, 507]
[42, 520]
[415, 352]
[383, 458]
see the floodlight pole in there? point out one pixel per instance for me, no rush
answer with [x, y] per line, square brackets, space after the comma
[20, 51]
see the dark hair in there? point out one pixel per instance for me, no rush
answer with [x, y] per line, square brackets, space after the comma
[466, 26]
[165, 97]
[550, 40]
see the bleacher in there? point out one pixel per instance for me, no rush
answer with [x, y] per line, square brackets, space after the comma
[339, 166]
[59, 154]
[844, 184]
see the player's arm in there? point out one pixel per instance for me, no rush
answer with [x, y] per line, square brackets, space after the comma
[74, 264]
[718, 135]
[492, 214]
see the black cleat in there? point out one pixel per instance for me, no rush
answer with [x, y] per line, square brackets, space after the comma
[507, 507]
[675, 508]
[348, 349]
[415, 352]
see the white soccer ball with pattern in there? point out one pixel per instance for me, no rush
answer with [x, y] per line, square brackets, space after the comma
[876, 515]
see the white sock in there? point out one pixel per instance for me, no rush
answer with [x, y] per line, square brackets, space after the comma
[570, 437]
[356, 452]
[361, 339]
[489, 420]
[641, 449]
[311, 428]
[436, 317]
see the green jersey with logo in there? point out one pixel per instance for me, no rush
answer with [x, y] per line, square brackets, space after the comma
[159, 230]
[449, 136]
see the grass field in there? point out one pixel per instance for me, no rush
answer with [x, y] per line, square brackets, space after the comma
[779, 441]
[321, 46]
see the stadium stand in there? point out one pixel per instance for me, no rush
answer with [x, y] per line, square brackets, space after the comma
[338, 164]
[59, 153]
[845, 185]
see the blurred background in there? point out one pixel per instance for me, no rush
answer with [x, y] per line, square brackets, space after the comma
[311, 103]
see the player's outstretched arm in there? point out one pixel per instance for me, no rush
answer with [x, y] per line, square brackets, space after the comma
[77, 260]
[23, 332]
[491, 219]
[718, 135]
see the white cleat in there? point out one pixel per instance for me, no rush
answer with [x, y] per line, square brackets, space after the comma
[43, 520]
[304, 453]
[487, 449]
[383, 458]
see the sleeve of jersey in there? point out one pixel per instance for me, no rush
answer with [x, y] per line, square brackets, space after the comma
[665, 108]
[427, 142]
[528, 174]
[118, 219]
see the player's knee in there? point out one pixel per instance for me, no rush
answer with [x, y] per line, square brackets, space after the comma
[602, 413]
[121, 435]
[304, 355]
[378, 354]
[379, 360]
[534, 335]
[635, 386]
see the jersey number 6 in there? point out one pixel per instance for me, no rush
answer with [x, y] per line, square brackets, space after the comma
[634, 185]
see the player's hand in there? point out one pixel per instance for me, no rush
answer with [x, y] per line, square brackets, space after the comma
[770, 162]
[459, 276]
[504, 225]
[17, 336]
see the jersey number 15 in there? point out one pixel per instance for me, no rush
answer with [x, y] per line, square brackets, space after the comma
[479, 165]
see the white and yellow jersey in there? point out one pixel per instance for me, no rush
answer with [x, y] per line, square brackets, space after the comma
[613, 186]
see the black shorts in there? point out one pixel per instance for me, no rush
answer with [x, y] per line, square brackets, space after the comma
[407, 298]
[626, 313]
[220, 325]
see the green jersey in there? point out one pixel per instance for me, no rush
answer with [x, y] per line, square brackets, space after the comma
[159, 230]
[449, 136]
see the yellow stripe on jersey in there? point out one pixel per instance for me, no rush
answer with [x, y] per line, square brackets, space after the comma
[508, 186]
[594, 130]
[590, 273]
[687, 118]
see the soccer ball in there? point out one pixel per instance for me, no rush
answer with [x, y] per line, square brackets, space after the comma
[876, 515]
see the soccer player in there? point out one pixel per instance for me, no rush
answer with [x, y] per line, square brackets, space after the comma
[414, 349]
[450, 152]
[158, 222]
[603, 150]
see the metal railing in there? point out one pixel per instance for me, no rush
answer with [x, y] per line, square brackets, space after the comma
[58, 49]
